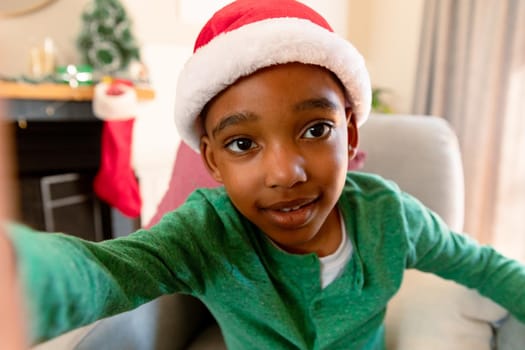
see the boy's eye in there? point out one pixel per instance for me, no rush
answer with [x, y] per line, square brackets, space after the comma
[240, 145]
[317, 131]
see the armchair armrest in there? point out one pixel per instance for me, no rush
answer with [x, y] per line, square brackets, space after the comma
[169, 322]
[510, 335]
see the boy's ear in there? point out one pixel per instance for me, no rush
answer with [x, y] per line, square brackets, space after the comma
[353, 133]
[209, 159]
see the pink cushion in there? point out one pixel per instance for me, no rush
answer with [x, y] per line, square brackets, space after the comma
[189, 173]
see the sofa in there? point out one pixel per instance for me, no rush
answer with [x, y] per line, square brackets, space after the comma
[421, 154]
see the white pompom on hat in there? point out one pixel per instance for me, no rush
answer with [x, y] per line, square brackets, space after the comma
[248, 35]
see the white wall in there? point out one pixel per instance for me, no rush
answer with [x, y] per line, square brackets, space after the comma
[60, 21]
[387, 33]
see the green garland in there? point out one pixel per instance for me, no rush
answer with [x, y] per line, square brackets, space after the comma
[106, 41]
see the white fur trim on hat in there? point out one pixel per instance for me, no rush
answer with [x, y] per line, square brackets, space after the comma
[114, 107]
[243, 51]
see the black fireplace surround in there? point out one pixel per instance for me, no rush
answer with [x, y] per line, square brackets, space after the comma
[57, 148]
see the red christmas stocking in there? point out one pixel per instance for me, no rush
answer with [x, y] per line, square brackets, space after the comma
[115, 182]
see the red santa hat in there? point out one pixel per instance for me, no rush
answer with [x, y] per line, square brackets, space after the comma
[248, 35]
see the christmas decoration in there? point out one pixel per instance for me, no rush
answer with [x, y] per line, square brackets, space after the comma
[115, 102]
[74, 75]
[106, 40]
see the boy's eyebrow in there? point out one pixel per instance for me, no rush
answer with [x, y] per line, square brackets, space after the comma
[313, 103]
[232, 120]
[316, 103]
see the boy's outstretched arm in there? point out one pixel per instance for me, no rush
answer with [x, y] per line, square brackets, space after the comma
[69, 282]
[458, 257]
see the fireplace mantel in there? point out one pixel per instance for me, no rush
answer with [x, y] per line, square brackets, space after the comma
[58, 92]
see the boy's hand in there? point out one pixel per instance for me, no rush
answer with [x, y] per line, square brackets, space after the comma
[11, 323]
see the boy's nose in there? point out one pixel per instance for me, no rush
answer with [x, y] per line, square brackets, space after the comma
[284, 167]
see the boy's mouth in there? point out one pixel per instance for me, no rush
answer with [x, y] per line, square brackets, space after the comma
[291, 214]
[291, 205]
[286, 210]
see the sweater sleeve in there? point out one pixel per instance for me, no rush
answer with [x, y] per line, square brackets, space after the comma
[434, 248]
[69, 282]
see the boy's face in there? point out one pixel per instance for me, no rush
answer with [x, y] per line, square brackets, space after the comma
[278, 141]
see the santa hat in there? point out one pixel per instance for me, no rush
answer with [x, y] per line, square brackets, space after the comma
[248, 35]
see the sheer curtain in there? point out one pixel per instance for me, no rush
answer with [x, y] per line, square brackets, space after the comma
[471, 71]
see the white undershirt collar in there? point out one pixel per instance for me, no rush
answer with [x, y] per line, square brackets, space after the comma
[332, 266]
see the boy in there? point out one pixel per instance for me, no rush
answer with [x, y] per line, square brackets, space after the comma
[292, 252]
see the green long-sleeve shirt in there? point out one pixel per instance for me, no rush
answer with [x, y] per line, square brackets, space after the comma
[261, 296]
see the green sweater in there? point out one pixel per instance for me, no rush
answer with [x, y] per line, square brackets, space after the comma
[262, 297]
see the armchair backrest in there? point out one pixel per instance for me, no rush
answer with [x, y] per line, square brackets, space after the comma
[421, 154]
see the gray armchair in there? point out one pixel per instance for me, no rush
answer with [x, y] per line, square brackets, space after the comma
[419, 153]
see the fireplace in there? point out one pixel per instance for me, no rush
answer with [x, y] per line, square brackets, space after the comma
[57, 153]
